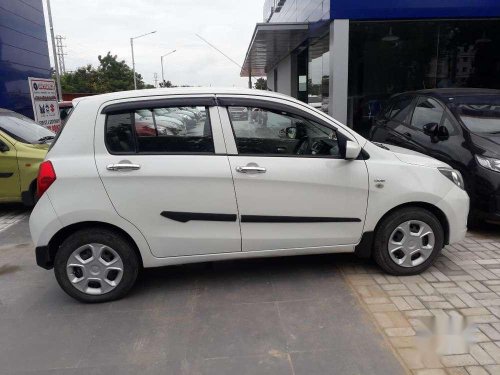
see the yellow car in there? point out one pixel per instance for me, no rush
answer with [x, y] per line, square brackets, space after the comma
[23, 146]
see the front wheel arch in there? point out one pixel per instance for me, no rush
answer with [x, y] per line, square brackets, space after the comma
[365, 247]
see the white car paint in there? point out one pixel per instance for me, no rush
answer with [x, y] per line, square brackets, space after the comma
[85, 191]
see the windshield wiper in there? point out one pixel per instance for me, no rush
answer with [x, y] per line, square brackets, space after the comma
[45, 139]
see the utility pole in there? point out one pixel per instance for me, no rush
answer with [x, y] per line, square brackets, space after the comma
[133, 60]
[156, 79]
[54, 52]
[161, 59]
[60, 53]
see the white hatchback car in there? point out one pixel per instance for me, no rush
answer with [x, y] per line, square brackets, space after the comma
[116, 196]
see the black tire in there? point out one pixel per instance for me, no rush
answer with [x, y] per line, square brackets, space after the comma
[106, 237]
[386, 228]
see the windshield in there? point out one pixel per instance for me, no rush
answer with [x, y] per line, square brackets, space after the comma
[480, 114]
[23, 129]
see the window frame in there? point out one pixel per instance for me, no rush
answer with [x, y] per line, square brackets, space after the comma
[446, 114]
[227, 102]
[150, 105]
[408, 117]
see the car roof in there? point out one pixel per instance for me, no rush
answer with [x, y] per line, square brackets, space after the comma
[446, 93]
[102, 98]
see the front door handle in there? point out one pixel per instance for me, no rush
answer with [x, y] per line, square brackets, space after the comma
[251, 169]
[123, 167]
[407, 135]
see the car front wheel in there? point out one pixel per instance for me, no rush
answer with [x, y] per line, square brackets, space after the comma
[96, 265]
[408, 241]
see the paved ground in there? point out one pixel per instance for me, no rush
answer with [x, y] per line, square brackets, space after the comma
[276, 316]
[461, 291]
[327, 314]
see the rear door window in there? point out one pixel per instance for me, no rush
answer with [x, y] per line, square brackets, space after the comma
[163, 130]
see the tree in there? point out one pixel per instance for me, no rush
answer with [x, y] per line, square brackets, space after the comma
[111, 75]
[116, 75]
[166, 84]
[84, 79]
[261, 84]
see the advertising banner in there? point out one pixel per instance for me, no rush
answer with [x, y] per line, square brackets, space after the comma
[44, 100]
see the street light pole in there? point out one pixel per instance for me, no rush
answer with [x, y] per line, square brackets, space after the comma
[161, 59]
[54, 52]
[133, 60]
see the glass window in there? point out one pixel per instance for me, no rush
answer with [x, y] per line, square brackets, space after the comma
[24, 129]
[480, 113]
[427, 111]
[318, 85]
[391, 57]
[160, 130]
[280, 133]
[400, 108]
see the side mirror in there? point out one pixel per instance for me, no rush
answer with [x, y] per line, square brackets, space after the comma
[443, 133]
[431, 129]
[352, 150]
[4, 147]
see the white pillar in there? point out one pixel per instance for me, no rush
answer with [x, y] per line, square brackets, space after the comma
[339, 69]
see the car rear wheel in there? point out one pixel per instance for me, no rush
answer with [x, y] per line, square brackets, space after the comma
[408, 241]
[96, 265]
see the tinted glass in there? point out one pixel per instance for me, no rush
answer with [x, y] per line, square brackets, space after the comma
[400, 109]
[280, 133]
[119, 135]
[427, 111]
[480, 114]
[161, 130]
[23, 129]
[391, 57]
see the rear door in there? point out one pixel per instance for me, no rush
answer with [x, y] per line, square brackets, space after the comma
[9, 172]
[175, 186]
[293, 187]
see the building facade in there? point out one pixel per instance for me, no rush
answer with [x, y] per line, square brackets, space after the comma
[348, 57]
[23, 52]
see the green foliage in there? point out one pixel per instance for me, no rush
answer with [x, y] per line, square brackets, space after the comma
[111, 75]
[261, 84]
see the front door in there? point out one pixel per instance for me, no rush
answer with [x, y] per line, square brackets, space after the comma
[9, 172]
[171, 181]
[293, 187]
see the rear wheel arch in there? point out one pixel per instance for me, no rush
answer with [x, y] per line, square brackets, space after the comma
[65, 232]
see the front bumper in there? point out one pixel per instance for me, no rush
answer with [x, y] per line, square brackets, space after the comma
[455, 206]
[485, 195]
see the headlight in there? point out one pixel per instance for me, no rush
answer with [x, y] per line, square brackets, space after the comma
[454, 176]
[489, 163]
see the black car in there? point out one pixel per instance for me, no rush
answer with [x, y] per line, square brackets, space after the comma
[460, 127]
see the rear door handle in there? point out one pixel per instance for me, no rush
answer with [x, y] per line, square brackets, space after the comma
[123, 167]
[251, 169]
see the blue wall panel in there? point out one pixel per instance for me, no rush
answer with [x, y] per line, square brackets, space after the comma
[23, 52]
[411, 9]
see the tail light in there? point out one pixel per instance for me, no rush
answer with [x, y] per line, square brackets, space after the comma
[46, 176]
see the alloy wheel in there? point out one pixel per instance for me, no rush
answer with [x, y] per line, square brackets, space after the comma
[411, 243]
[94, 269]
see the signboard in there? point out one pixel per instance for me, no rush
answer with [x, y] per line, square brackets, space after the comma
[45, 105]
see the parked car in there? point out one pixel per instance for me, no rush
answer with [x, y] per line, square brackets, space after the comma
[23, 146]
[301, 184]
[460, 127]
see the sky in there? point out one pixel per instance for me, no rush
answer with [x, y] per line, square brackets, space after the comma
[94, 27]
